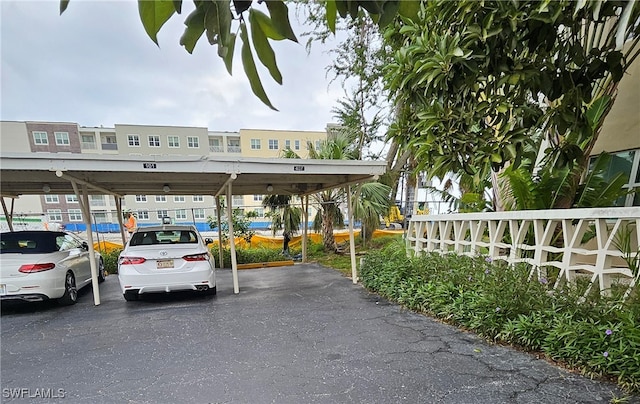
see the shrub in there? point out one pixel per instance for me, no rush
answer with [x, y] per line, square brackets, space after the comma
[111, 260]
[250, 255]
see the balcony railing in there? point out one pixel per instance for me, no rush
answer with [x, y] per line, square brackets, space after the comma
[577, 242]
[216, 149]
[109, 146]
[233, 149]
[88, 146]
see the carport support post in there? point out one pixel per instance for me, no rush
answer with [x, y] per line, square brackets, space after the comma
[220, 252]
[8, 216]
[232, 241]
[86, 213]
[352, 243]
[118, 201]
[305, 227]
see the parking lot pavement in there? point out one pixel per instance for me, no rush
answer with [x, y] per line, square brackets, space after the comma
[300, 334]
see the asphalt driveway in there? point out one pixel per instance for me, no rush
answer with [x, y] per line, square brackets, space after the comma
[300, 334]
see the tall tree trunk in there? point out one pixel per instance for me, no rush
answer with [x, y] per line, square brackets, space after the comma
[328, 240]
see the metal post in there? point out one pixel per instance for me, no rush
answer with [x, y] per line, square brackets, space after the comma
[232, 241]
[305, 227]
[352, 243]
[86, 213]
[218, 214]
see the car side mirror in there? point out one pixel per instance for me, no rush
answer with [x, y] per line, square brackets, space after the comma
[208, 241]
[85, 246]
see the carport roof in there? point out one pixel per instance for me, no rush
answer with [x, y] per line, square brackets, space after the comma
[29, 173]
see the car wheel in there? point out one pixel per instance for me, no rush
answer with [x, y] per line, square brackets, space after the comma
[131, 295]
[101, 272]
[70, 291]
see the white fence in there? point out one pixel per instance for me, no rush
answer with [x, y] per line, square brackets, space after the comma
[576, 241]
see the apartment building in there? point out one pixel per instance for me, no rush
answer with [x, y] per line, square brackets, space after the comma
[620, 135]
[145, 140]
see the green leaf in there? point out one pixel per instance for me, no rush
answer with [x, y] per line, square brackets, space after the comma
[250, 68]
[343, 7]
[389, 12]
[263, 48]
[596, 110]
[331, 15]
[154, 14]
[63, 5]
[241, 5]
[409, 9]
[177, 5]
[257, 16]
[280, 17]
[211, 22]
[194, 30]
[228, 56]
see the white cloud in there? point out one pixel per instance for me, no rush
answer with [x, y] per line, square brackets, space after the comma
[95, 65]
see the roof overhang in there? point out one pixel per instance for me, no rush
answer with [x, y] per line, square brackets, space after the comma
[32, 174]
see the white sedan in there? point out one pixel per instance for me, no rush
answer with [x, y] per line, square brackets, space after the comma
[38, 265]
[166, 258]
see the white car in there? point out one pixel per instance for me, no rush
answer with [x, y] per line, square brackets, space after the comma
[37, 265]
[166, 258]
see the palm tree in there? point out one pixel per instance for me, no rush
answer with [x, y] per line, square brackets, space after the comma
[283, 215]
[370, 202]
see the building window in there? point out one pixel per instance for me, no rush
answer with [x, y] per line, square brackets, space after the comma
[273, 144]
[51, 199]
[162, 213]
[287, 144]
[259, 212]
[198, 213]
[72, 199]
[317, 145]
[97, 200]
[161, 198]
[257, 198]
[626, 163]
[62, 138]
[40, 138]
[141, 198]
[198, 198]
[255, 144]
[181, 214]
[154, 141]
[215, 146]
[237, 200]
[75, 215]
[296, 144]
[173, 142]
[88, 142]
[193, 142]
[133, 140]
[54, 215]
[179, 198]
[143, 214]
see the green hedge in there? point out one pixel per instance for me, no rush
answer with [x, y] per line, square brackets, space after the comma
[599, 336]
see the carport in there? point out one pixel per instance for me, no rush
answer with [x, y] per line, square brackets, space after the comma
[88, 174]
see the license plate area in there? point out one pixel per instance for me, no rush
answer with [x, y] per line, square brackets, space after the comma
[164, 264]
[3, 289]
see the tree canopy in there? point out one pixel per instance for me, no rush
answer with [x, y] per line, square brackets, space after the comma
[222, 21]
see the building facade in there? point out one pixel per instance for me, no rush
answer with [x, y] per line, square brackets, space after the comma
[145, 140]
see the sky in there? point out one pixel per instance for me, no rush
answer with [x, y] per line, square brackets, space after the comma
[95, 65]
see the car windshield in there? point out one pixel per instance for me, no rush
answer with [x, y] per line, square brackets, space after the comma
[28, 242]
[151, 237]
